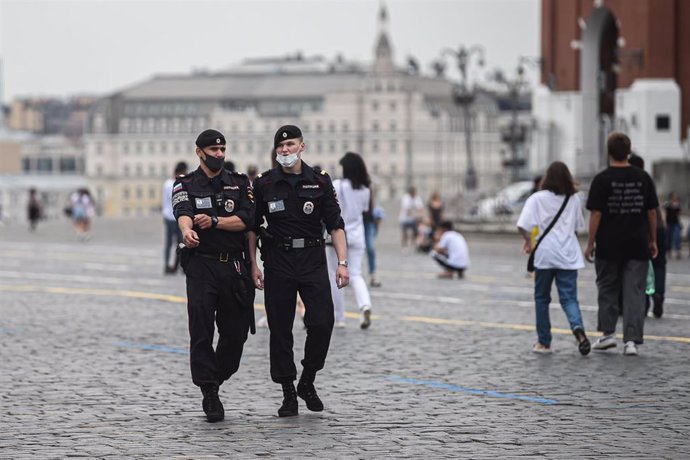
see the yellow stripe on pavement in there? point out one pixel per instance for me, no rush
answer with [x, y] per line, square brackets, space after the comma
[417, 319]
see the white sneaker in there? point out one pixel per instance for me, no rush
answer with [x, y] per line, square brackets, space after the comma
[604, 342]
[630, 349]
[340, 324]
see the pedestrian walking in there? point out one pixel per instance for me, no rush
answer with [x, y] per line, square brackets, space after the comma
[411, 214]
[450, 251]
[296, 201]
[660, 261]
[372, 219]
[33, 209]
[353, 196]
[557, 212]
[214, 208]
[622, 230]
[82, 209]
[672, 211]
[173, 236]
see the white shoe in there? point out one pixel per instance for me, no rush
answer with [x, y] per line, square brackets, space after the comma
[340, 324]
[604, 342]
[630, 349]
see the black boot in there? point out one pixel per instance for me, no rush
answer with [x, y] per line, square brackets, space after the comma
[289, 407]
[211, 404]
[658, 305]
[583, 344]
[306, 391]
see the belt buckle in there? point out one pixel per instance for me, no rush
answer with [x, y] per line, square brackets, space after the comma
[221, 256]
[298, 243]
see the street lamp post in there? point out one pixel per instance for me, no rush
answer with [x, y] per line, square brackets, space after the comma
[516, 133]
[464, 96]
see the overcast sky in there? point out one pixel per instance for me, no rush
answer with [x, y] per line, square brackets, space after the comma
[61, 48]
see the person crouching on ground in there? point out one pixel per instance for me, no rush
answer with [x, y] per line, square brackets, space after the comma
[559, 255]
[450, 251]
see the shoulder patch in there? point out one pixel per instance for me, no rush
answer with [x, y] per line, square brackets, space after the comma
[238, 173]
[260, 174]
[323, 173]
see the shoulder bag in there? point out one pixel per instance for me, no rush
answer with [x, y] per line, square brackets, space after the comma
[530, 261]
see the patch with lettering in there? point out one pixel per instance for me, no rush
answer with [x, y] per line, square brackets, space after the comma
[179, 197]
[310, 186]
[231, 187]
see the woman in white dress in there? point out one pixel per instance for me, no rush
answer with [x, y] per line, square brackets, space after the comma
[353, 196]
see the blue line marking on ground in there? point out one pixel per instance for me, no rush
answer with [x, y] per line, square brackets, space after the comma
[473, 391]
[149, 346]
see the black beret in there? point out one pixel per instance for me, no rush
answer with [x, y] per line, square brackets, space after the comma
[286, 132]
[210, 137]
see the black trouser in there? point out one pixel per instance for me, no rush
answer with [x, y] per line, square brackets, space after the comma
[212, 295]
[443, 262]
[309, 277]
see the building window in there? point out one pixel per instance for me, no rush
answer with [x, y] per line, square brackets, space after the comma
[140, 193]
[392, 105]
[44, 165]
[152, 148]
[125, 194]
[663, 122]
[318, 127]
[345, 126]
[125, 148]
[26, 165]
[394, 146]
[375, 126]
[152, 170]
[346, 146]
[99, 170]
[319, 147]
[137, 148]
[164, 147]
[139, 170]
[393, 126]
[331, 146]
[125, 171]
[375, 106]
[152, 193]
[99, 148]
[68, 165]
[331, 127]
[375, 146]
[250, 147]
[164, 170]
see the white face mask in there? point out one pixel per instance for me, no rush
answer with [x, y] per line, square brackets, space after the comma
[287, 161]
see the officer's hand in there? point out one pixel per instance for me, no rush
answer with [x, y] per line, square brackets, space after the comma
[202, 221]
[258, 278]
[342, 277]
[190, 238]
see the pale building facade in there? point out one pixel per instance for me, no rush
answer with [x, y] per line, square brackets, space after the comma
[405, 126]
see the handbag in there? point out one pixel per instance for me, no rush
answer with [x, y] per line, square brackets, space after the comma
[530, 260]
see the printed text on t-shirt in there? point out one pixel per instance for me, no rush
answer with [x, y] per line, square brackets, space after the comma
[626, 198]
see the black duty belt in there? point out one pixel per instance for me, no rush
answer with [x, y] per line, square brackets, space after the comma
[298, 243]
[221, 256]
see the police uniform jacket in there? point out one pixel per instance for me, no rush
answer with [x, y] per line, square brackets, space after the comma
[228, 194]
[296, 208]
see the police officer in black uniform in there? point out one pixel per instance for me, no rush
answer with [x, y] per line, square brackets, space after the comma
[297, 201]
[214, 208]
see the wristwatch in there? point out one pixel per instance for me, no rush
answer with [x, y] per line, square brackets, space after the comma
[214, 221]
[343, 263]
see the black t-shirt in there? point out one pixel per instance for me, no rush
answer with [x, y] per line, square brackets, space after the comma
[623, 196]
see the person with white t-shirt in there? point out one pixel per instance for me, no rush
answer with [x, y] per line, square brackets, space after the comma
[353, 196]
[450, 251]
[559, 255]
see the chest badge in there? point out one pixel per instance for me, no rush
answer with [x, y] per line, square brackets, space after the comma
[229, 205]
[203, 203]
[308, 207]
[276, 206]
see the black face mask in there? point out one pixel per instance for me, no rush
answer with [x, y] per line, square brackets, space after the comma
[212, 163]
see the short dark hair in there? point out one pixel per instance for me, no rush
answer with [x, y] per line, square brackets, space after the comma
[180, 168]
[558, 179]
[618, 146]
[636, 160]
[446, 225]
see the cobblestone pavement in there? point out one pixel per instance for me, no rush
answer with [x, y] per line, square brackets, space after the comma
[93, 344]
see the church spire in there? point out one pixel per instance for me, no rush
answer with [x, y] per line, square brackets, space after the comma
[383, 51]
